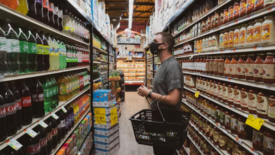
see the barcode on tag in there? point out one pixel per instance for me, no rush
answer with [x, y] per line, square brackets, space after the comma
[15, 144]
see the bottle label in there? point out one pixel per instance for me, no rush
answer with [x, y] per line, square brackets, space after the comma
[2, 111]
[234, 124]
[249, 5]
[62, 124]
[249, 38]
[259, 3]
[38, 97]
[47, 93]
[38, 1]
[230, 39]
[225, 92]
[236, 10]
[237, 96]
[244, 98]
[242, 37]
[49, 136]
[242, 7]
[230, 13]
[249, 69]
[63, 90]
[26, 101]
[18, 104]
[252, 101]
[266, 31]
[51, 7]
[40, 49]
[43, 142]
[241, 69]
[226, 68]
[24, 47]
[241, 127]
[225, 15]
[46, 50]
[10, 108]
[32, 149]
[54, 131]
[271, 108]
[12, 45]
[46, 4]
[32, 48]
[268, 71]
[262, 104]
[257, 33]
[230, 96]
[258, 70]
[269, 144]
[236, 38]
[3, 44]
[257, 137]
[233, 69]
[225, 40]
[55, 11]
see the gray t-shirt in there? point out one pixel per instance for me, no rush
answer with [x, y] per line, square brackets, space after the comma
[168, 77]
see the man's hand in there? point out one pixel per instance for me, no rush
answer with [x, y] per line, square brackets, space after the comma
[143, 91]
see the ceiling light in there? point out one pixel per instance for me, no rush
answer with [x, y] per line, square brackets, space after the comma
[131, 4]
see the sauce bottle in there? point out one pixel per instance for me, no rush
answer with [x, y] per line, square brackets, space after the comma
[234, 123]
[236, 36]
[249, 34]
[227, 120]
[230, 95]
[257, 139]
[222, 17]
[242, 8]
[249, 67]
[268, 68]
[269, 142]
[236, 9]
[262, 104]
[219, 94]
[217, 114]
[230, 12]
[222, 115]
[257, 32]
[242, 37]
[241, 67]
[244, 99]
[207, 67]
[222, 141]
[221, 65]
[268, 3]
[233, 66]
[217, 19]
[268, 30]
[259, 4]
[252, 101]
[221, 40]
[215, 66]
[215, 88]
[237, 97]
[225, 92]
[225, 39]
[271, 109]
[225, 16]
[227, 64]
[216, 134]
[258, 67]
[231, 38]
[211, 65]
[249, 6]
[243, 131]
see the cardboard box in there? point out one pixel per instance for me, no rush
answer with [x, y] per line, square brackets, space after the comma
[102, 95]
[107, 146]
[107, 152]
[106, 139]
[106, 132]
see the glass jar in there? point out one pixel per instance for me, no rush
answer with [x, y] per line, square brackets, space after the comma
[249, 67]
[230, 95]
[216, 65]
[217, 19]
[252, 101]
[249, 34]
[259, 4]
[221, 66]
[227, 120]
[221, 41]
[221, 121]
[207, 87]
[225, 93]
[215, 42]
[257, 139]
[269, 140]
[207, 65]
[213, 25]
[222, 141]
[211, 65]
[204, 65]
[237, 97]
[233, 66]
[219, 95]
[217, 114]
[257, 32]
[215, 86]
[268, 3]
[236, 36]
[244, 99]
[249, 6]
[242, 8]
[236, 10]
[221, 17]
[230, 13]
[206, 128]
[234, 124]
[241, 67]
[231, 38]
[268, 30]
[225, 40]
[244, 131]
[227, 64]
[271, 109]
[262, 104]
[225, 16]
[258, 67]
[211, 131]
[211, 90]
[242, 38]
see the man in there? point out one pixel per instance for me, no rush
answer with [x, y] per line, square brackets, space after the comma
[168, 81]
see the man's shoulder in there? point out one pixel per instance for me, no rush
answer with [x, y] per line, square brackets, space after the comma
[173, 63]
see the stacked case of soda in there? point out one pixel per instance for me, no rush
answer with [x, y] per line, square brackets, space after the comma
[106, 122]
[87, 145]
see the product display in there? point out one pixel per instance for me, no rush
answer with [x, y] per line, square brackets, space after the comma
[133, 71]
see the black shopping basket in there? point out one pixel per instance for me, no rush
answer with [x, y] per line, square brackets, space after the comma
[163, 128]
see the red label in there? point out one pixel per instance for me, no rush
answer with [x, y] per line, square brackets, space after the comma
[49, 136]
[26, 101]
[54, 132]
[2, 111]
[46, 4]
[10, 108]
[43, 142]
[38, 97]
[51, 7]
[32, 149]
[18, 104]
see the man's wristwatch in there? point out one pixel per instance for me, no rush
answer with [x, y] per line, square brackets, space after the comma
[149, 94]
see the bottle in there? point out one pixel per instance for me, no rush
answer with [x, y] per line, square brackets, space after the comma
[241, 67]
[3, 129]
[67, 23]
[249, 67]
[23, 54]
[45, 11]
[51, 90]
[38, 100]
[258, 67]
[62, 125]
[52, 52]
[55, 17]
[40, 53]
[47, 97]
[32, 56]
[55, 133]
[49, 136]
[22, 7]
[60, 49]
[12, 49]
[46, 53]
[51, 14]
[13, 4]
[10, 106]
[56, 55]
[55, 92]
[269, 68]
[31, 143]
[32, 9]
[3, 50]
[18, 105]
[26, 103]
[41, 131]
[60, 20]
[38, 7]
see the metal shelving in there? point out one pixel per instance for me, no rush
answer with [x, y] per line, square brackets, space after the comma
[192, 141]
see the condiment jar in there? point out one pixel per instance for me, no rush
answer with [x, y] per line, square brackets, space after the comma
[211, 90]
[221, 65]
[257, 32]
[230, 13]
[225, 16]
[236, 36]
[241, 67]
[211, 131]
[268, 30]
[216, 134]
[242, 37]
[262, 104]
[217, 114]
[221, 40]
[215, 66]
[230, 146]
[230, 95]
[222, 17]
[221, 121]
[227, 64]
[207, 67]
[258, 67]
[233, 66]
[249, 6]
[268, 3]
[227, 120]
[237, 97]
[213, 25]
[249, 67]
[234, 123]
[259, 4]
[257, 139]
[236, 10]
[217, 19]
[222, 141]
[215, 42]
[225, 39]
[249, 34]
[271, 109]
[242, 8]
[225, 92]
[243, 131]
[219, 95]
[269, 142]
[231, 38]
[244, 99]
[215, 89]
[252, 101]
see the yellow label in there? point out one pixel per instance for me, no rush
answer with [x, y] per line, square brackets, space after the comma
[113, 116]
[254, 122]
[197, 93]
[100, 119]
[99, 111]
[66, 28]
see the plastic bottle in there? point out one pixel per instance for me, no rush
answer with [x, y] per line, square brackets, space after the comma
[63, 87]
[56, 55]
[39, 10]
[47, 98]
[41, 131]
[51, 89]
[51, 9]
[24, 50]
[3, 130]
[31, 143]
[38, 100]
[22, 7]
[3, 50]
[60, 20]
[40, 56]
[62, 125]
[49, 136]
[68, 56]
[32, 11]
[60, 50]
[55, 17]
[32, 56]
[18, 105]
[46, 53]
[67, 23]
[45, 10]
[52, 53]
[55, 92]
[26, 103]
[10, 3]
[64, 53]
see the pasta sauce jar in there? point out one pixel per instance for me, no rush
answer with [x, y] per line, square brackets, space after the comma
[236, 10]
[225, 16]
[244, 99]
[230, 13]
[259, 4]
[249, 67]
[225, 92]
[249, 6]
[227, 120]
[257, 32]
[230, 95]
[233, 66]
[262, 104]
[243, 130]
[227, 64]
[268, 30]
[258, 67]
[252, 101]
[269, 141]
[268, 68]
[242, 36]
[241, 67]
[237, 97]
[257, 139]
[221, 66]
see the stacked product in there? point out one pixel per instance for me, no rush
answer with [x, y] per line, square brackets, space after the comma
[122, 86]
[87, 145]
[106, 122]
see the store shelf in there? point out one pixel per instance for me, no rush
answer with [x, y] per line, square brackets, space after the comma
[39, 74]
[36, 121]
[96, 62]
[187, 150]
[100, 50]
[270, 87]
[204, 16]
[85, 138]
[134, 82]
[32, 22]
[95, 80]
[105, 72]
[240, 112]
[246, 18]
[69, 133]
[192, 141]
[244, 143]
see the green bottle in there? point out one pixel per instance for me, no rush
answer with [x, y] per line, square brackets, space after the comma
[47, 98]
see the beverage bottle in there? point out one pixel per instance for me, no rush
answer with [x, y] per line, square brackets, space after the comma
[22, 7]
[31, 143]
[24, 49]
[10, 106]
[18, 105]
[26, 103]
[56, 55]
[51, 54]
[51, 13]
[40, 53]
[64, 55]
[70, 117]
[13, 4]
[81, 81]
[60, 52]
[39, 11]
[32, 9]
[55, 92]
[46, 53]
[55, 17]
[46, 18]
[49, 136]
[32, 56]
[3, 129]
[55, 132]
[38, 100]
[60, 20]
[12, 49]
[62, 87]
[62, 125]
[47, 97]
[42, 134]
[68, 56]
[51, 89]
[3, 49]
[67, 23]
[75, 57]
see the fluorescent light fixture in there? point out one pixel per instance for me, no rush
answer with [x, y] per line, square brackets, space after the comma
[131, 4]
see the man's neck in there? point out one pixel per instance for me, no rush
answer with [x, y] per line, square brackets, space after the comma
[163, 55]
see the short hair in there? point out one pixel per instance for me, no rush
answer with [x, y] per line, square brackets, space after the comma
[167, 38]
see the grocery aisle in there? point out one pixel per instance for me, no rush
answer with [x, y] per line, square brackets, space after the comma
[128, 145]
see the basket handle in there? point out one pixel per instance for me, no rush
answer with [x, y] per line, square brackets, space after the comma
[160, 110]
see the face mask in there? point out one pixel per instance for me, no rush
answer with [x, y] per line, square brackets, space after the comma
[154, 48]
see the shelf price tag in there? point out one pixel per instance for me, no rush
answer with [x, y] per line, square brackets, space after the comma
[197, 93]
[43, 124]
[31, 133]
[254, 122]
[239, 140]
[15, 144]
[55, 116]
[113, 116]
[64, 109]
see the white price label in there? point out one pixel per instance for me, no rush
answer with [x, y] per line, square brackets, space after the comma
[15, 144]
[64, 109]
[31, 133]
[239, 140]
[55, 116]
[43, 124]
[259, 47]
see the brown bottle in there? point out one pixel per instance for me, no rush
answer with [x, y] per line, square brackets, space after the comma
[258, 67]
[221, 66]
[249, 67]
[241, 67]
[268, 68]
[262, 104]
